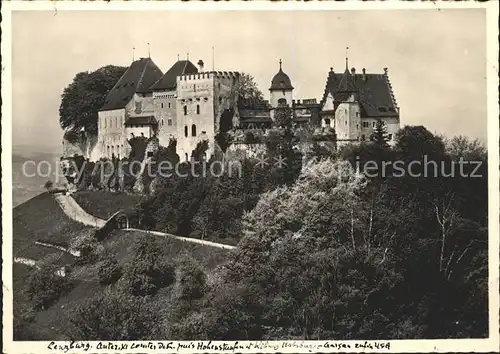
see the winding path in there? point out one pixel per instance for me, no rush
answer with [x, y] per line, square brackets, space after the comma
[75, 212]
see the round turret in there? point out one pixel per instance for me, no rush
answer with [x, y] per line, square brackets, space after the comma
[281, 81]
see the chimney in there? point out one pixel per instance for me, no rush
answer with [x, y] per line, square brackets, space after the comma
[200, 65]
[353, 71]
[364, 74]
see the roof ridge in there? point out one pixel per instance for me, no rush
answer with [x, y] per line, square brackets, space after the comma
[142, 73]
[118, 81]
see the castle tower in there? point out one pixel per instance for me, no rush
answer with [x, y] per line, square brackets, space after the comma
[281, 89]
[202, 99]
[347, 115]
[165, 100]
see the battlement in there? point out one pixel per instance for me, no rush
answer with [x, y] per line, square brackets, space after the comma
[209, 75]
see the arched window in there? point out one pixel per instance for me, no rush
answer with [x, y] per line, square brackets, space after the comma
[327, 121]
[185, 110]
[193, 130]
[197, 109]
[282, 101]
[186, 131]
[187, 158]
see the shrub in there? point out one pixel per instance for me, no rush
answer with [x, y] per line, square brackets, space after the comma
[45, 286]
[48, 185]
[192, 280]
[110, 271]
[89, 249]
[250, 138]
[114, 316]
[149, 271]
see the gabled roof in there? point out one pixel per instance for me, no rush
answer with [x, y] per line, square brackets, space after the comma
[169, 80]
[375, 93]
[140, 75]
[347, 83]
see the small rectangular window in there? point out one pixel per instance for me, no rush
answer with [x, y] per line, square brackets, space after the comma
[169, 122]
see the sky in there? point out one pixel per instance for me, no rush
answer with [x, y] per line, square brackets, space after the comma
[436, 60]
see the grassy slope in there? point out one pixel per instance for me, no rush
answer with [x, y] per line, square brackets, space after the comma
[103, 204]
[43, 214]
[41, 219]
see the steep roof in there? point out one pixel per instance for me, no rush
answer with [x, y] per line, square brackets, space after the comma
[281, 81]
[140, 75]
[347, 83]
[375, 92]
[169, 80]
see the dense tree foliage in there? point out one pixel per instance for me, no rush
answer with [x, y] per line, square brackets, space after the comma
[114, 316]
[46, 284]
[248, 88]
[149, 271]
[368, 242]
[82, 99]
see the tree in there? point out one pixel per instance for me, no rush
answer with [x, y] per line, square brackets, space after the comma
[248, 89]
[192, 280]
[48, 185]
[379, 135]
[149, 271]
[466, 148]
[82, 99]
[45, 284]
[114, 316]
[109, 271]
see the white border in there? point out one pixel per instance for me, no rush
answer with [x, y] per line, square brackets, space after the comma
[490, 344]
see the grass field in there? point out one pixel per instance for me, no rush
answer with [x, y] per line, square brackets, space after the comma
[41, 219]
[103, 204]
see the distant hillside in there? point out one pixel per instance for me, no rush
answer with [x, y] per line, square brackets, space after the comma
[28, 180]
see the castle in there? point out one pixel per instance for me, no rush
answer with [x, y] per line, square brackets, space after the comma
[188, 104]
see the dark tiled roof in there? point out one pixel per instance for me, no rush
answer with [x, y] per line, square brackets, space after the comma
[141, 120]
[169, 80]
[374, 92]
[140, 75]
[281, 81]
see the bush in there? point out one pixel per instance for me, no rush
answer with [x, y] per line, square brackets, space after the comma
[114, 316]
[44, 286]
[192, 280]
[110, 271]
[89, 249]
[48, 185]
[250, 138]
[149, 271]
